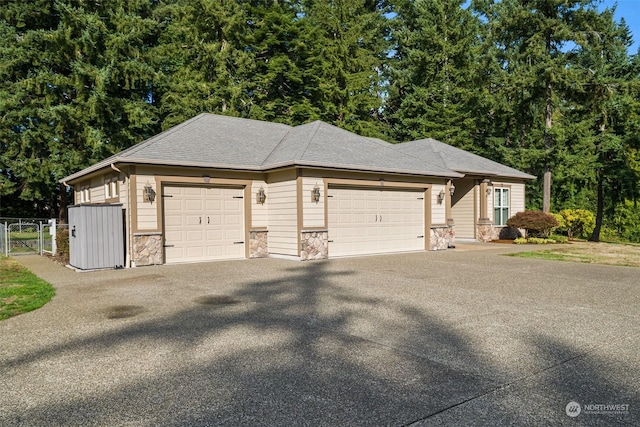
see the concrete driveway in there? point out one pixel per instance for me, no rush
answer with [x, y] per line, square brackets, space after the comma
[462, 337]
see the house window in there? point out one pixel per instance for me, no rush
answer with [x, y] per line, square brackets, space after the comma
[84, 194]
[111, 188]
[501, 202]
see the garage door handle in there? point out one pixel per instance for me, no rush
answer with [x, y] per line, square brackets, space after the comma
[200, 220]
[238, 243]
[376, 218]
[380, 218]
[208, 220]
[420, 237]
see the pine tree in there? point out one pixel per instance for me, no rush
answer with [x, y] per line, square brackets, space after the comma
[75, 88]
[346, 60]
[434, 79]
[535, 38]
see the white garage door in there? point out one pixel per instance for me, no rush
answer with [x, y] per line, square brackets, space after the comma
[363, 221]
[203, 223]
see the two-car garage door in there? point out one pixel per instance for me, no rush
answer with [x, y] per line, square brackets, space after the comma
[369, 221]
[203, 223]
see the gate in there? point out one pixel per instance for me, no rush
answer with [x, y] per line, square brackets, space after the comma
[24, 238]
[3, 239]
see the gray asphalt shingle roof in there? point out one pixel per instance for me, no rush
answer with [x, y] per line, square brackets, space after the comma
[462, 161]
[224, 142]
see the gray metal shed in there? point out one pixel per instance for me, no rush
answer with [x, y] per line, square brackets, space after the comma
[96, 236]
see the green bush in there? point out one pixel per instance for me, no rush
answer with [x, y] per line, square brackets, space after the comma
[559, 239]
[625, 224]
[62, 243]
[537, 223]
[576, 222]
[539, 241]
[520, 241]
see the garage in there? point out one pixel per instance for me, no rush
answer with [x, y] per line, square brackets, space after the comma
[203, 223]
[370, 221]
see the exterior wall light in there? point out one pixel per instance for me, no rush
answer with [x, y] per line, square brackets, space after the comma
[441, 197]
[148, 195]
[261, 197]
[452, 188]
[315, 194]
[489, 185]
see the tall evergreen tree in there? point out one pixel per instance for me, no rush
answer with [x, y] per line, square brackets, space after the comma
[201, 59]
[535, 37]
[75, 84]
[434, 77]
[346, 59]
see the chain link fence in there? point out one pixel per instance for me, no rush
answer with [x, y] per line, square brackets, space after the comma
[21, 236]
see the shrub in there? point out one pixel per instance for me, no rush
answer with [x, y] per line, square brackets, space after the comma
[520, 241]
[62, 243]
[537, 223]
[559, 239]
[576, 222]
[539, 241]
[509, 233]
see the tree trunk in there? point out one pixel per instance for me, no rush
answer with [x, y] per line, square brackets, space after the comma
[595, 236]
[62, 206]
[546, 195]
[548, 143]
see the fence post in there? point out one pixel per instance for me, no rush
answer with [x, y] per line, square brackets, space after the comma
[52, 232]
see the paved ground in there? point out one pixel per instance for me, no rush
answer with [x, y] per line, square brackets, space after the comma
[463, 337]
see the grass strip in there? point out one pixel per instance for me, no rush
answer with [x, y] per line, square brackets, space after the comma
[20, 290]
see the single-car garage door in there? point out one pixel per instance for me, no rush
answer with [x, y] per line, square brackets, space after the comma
[370, 221]
[203, 223]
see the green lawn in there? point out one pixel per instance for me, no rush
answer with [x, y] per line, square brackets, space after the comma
[590, 253]
[20, 290]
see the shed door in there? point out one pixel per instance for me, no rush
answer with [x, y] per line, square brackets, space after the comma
[203, 223]
[370, 221]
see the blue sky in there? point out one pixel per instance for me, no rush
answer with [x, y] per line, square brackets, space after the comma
[630, 11]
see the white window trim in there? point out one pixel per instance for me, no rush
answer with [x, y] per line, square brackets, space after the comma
[111, 188]
[497, 218]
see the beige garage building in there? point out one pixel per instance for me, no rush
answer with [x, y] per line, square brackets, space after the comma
[218, 187]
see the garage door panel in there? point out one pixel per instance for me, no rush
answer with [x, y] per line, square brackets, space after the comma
[387, 221]
[203, 223]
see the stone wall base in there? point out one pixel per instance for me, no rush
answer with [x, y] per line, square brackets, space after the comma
[441, 238]
[258, 244]
[147, 249]
[314, 245]
[487, 231]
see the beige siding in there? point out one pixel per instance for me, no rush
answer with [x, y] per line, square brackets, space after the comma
[283, 218]
[438, 214]
[517, 198]
[259, 213]
[97, 189]
[463, 209]
[313, 213]
[147, 212]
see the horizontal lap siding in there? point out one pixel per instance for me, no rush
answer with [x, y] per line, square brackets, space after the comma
[147, 212]
[462, 209]
[438, 214]
[259, 213]
[283, 218]
[313, 213]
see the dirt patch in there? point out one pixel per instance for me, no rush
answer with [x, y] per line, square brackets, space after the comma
[217, 300]
[123, 311]
[591, 253]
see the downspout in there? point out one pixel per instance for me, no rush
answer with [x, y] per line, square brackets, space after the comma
[128, 209]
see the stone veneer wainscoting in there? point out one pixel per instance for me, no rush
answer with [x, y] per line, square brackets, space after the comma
[314, 244]
[147, 249]
[258, 244]
[441, 237]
